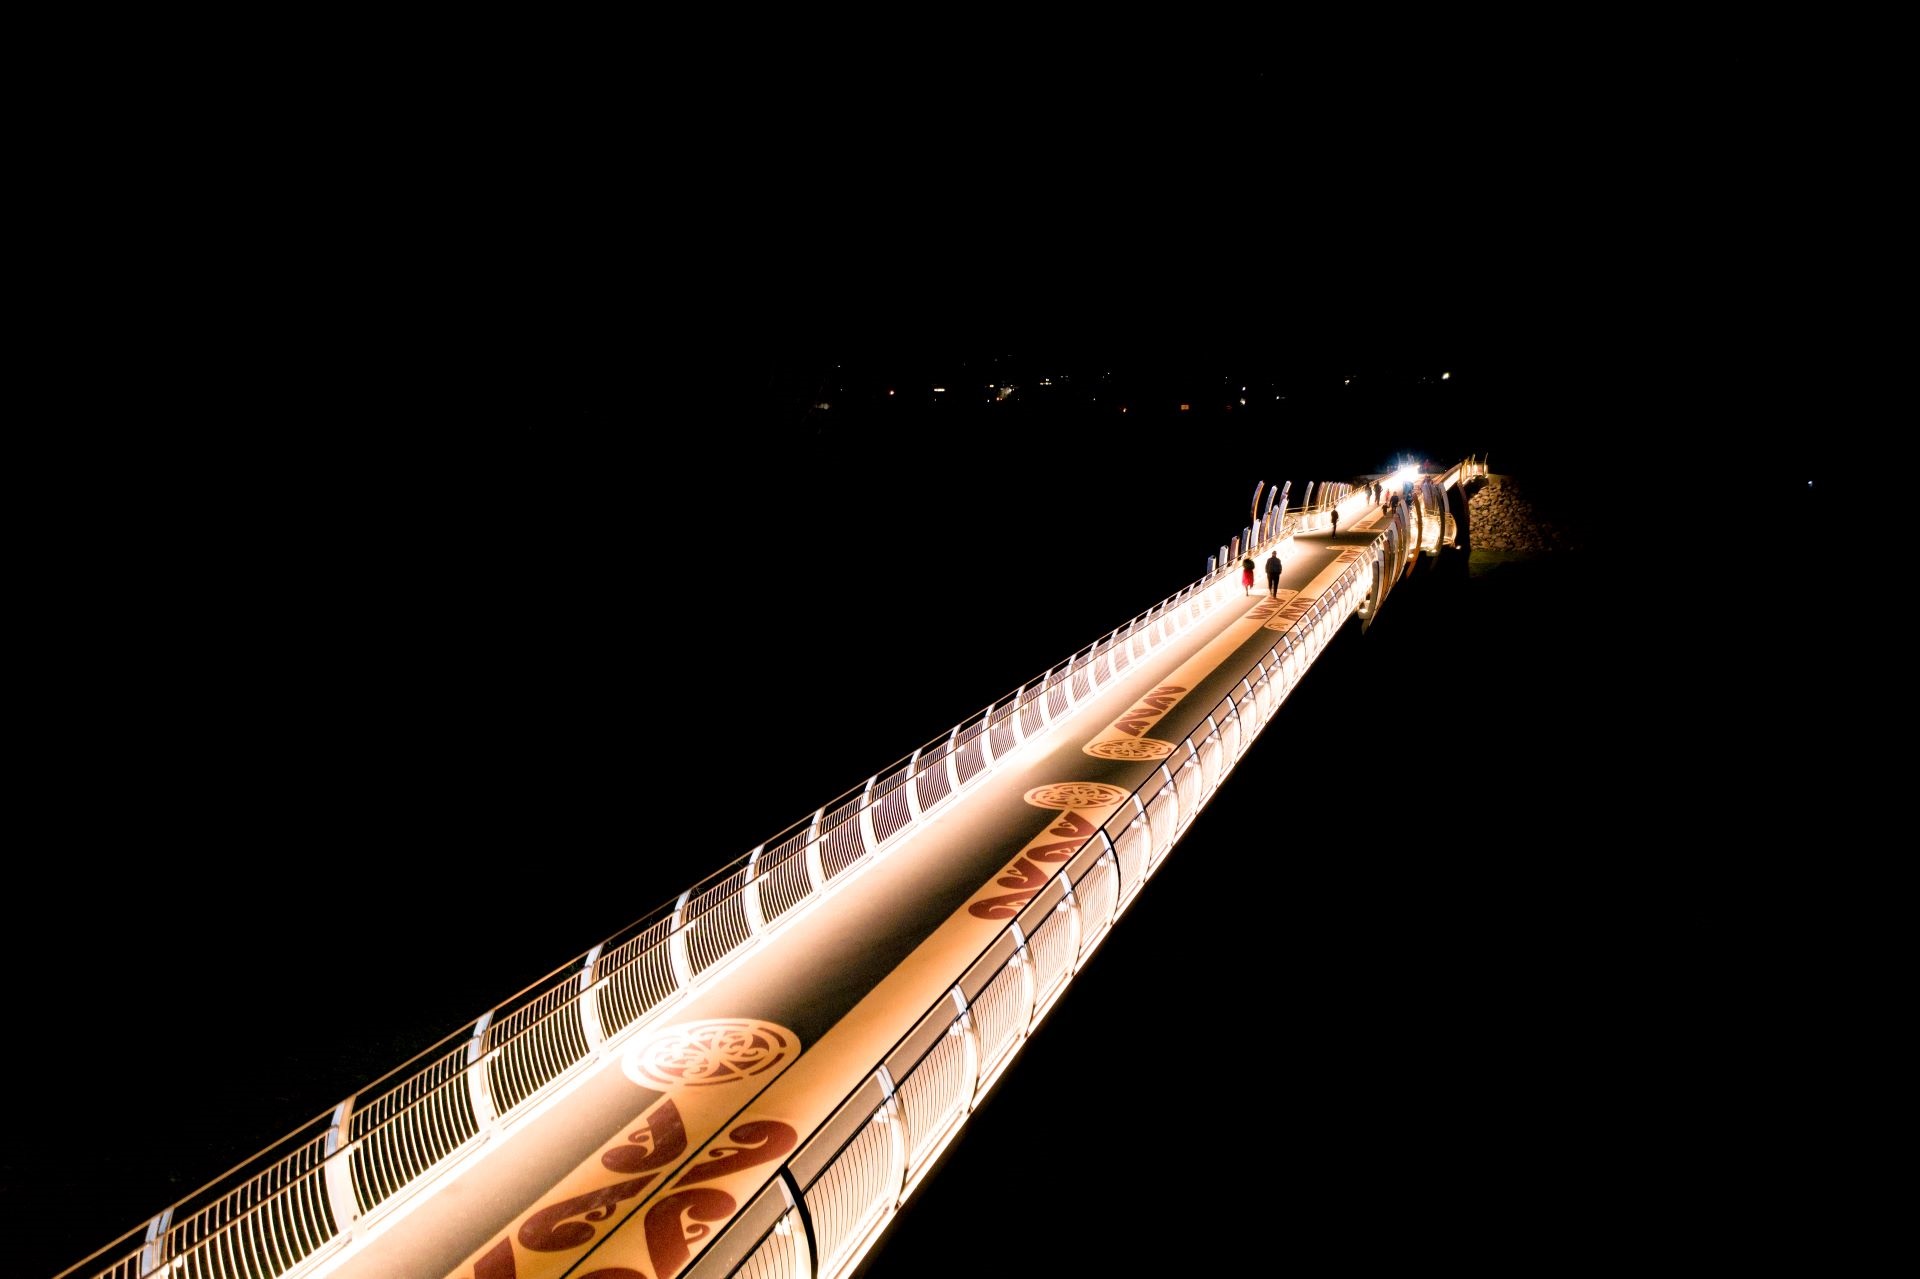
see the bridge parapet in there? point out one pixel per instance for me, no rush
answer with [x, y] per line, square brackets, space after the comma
[839, 1189]
[336, 1178]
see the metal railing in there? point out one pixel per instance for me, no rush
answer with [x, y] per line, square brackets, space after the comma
[1321, 499]
[309, 1195]
[327, 1183]
[839, 1189]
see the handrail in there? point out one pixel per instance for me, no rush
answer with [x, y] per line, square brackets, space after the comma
[763, 1227]
[307, 1195]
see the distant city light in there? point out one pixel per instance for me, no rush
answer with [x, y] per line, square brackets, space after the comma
[889, 390]
[939, 390]
[1243, 401]
[1445, 376]
[1183, 408]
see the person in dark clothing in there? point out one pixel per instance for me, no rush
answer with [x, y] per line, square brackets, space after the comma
[1246, 576]
[1336, 521]
[1273, 575]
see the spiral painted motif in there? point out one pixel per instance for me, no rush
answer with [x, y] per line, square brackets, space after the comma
[1134, 748]
[1075, 795]
[703, 1053]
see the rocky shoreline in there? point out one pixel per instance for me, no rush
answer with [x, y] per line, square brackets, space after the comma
[1508, 513]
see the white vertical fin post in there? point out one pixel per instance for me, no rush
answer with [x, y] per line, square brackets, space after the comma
[953, 765]
[896, 1121]
[153, 1254]
[338, 1172]
[479, 1090]
[816, 873]
[867, 834]
[969, 1048]
[589, 1004]
[804, 1248]
[750, 894]
[677, 953]
[913, 788]
[1023, 956]
[1076, 931]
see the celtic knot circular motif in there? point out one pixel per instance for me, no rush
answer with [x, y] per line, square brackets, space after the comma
[1075, 795]
[1131, 748]
[702, 1053]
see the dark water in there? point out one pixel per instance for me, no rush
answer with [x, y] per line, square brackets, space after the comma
[331, 762]
[1365, 1038]
[1535, 1001]
[316, 798]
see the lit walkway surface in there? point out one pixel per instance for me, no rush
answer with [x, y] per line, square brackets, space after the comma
[754, 1085]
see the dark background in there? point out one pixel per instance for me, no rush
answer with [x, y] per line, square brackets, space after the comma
[343, 733]
[376, 429]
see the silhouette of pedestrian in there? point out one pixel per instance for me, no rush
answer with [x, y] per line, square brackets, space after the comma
[1273, 575]
[1246, 576]
[1336, 521]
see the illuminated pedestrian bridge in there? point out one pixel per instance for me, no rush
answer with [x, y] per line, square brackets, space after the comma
[755, 1081]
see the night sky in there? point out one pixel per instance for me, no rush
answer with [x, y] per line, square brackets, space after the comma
[430, 521]
[348, 733]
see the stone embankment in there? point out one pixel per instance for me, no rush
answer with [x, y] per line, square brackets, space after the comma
[1508, 514]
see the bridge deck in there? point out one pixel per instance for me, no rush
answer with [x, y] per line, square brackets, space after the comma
[631, 1165]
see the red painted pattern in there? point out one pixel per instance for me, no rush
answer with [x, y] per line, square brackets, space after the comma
[1028, 879]
[760, 1141]
[1149, 710]
[681, 1219]
[671, 1225]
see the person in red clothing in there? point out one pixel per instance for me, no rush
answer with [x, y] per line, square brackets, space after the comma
[1246, 576]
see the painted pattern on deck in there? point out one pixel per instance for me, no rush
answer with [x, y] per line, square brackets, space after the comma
[701, 1067]
[705, 1064]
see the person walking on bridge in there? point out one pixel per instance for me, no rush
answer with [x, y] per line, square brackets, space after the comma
[1336, 521]
[1273, 575]
[1246, 576]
